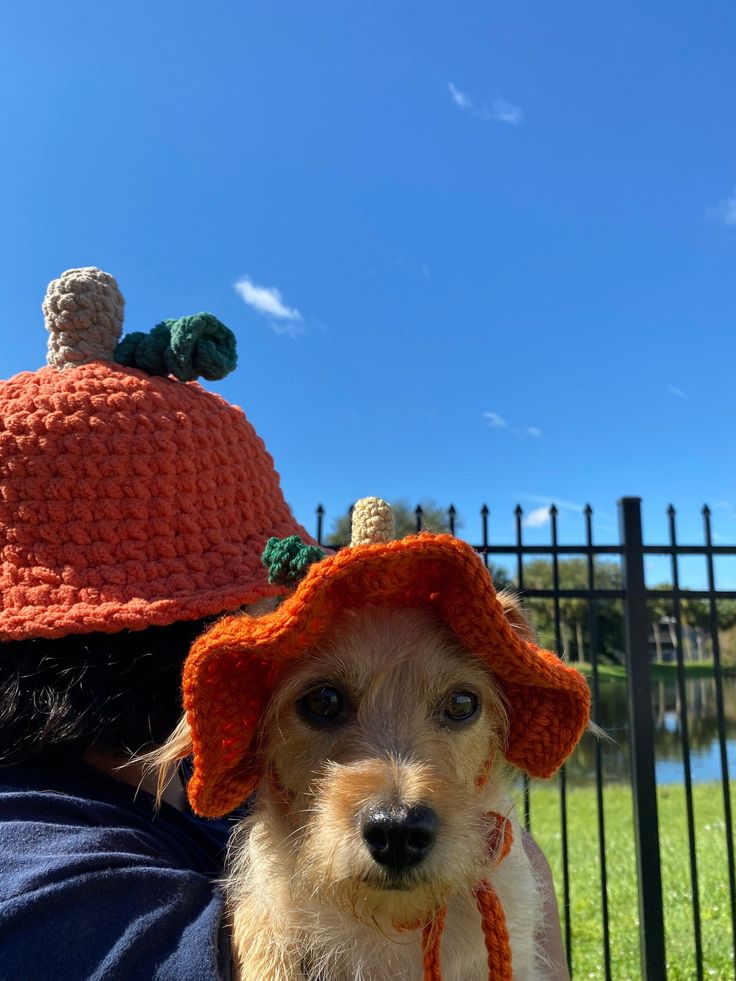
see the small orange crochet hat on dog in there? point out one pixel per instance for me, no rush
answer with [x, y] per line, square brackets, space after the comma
[234, 668]
[130, 496]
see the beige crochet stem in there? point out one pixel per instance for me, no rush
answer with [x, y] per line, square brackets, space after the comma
[83, 310]
[373, 522]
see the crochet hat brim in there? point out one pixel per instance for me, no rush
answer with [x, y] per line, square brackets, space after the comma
[232, 670]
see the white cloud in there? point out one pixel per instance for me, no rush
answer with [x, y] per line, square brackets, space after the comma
[459, 98]
[537, 518]
[500, 110]
[677, 392]
[540, 515]
[413, 267]
[505, 112]
[725, 210]
[289, 328]
[495, 421]
[266, 300]
[548, 501]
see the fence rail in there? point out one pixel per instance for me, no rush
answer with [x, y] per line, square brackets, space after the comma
[636, 600]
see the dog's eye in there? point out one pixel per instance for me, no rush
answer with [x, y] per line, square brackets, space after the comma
[323, 704]
[460, 706]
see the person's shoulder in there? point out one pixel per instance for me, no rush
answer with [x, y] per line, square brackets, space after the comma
[94, 884]
[57, 807]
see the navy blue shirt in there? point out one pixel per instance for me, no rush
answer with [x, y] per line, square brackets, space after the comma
[95, 884]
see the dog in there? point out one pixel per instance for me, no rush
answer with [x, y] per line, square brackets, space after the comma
[384, 802]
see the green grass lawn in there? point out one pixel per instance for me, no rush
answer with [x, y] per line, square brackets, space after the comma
[657, 670]
[585, 899]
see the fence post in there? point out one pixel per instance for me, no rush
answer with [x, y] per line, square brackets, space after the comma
[320, 517]
[646, 825]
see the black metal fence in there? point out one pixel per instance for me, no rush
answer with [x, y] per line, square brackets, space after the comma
[627, 590]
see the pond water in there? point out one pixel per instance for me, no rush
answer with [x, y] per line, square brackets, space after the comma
[705, 760]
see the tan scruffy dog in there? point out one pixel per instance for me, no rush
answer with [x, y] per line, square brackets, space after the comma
[370, 816]
[375, 744]
[373, 818]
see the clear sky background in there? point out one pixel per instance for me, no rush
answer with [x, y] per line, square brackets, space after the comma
[478, 252]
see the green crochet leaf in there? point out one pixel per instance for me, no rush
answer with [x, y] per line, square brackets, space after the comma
[187, 348]
[287, 559]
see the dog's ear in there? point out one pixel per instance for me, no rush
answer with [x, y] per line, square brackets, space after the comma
[516, 615]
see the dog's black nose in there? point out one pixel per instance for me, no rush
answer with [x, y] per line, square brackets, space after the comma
[399, 836]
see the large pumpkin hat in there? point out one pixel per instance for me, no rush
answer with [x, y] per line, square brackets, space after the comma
[130, 496]
[234, 668]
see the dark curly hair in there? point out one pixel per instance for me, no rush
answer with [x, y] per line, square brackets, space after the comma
[116, 692]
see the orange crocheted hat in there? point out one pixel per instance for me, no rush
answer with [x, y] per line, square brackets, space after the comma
[131, 496]
[233, 669]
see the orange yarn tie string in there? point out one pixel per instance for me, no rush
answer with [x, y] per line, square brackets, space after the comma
[495, 934]
[493, 918]
[431, 943]
[500, 837]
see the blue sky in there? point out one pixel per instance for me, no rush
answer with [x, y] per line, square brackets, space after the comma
[485, 251]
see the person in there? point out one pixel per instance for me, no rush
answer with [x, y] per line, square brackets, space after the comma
[134, 508]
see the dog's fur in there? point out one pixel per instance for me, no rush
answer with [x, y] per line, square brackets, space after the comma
[305, 897]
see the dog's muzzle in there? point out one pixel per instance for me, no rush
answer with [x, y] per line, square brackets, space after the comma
[398, 836]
